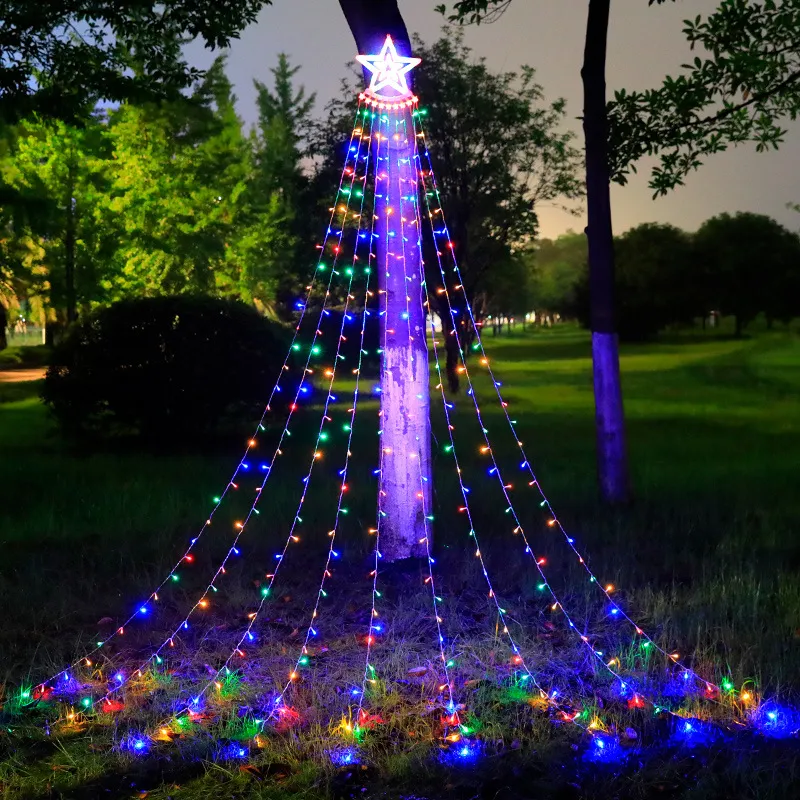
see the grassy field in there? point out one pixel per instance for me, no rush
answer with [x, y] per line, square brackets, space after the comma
[707, 557]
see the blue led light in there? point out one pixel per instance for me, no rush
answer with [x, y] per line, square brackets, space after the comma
[693, 733]
[343, 756]
[462, 754]
[776, 721]
[605, 749]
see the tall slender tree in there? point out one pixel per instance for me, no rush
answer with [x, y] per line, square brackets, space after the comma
[405, 487]
[749, 81]
[63, 165]
[281, 188]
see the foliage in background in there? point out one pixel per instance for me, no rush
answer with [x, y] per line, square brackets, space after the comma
[62, 245]
[177, 176]
[498, 150]
[282, 189]
[166, 369]
[743, 85]
[156, 198]
[656, 282]
[61, 55]
[739, 266]
[750, 265]
[556, 267]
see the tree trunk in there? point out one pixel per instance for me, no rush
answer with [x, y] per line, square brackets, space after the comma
[451, 349]
[609, 415]
[69, 248]
[406, 476]
[371, 20]
[3, 324]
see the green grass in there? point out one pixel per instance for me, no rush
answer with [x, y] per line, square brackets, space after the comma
[24, 356]
[707, 557]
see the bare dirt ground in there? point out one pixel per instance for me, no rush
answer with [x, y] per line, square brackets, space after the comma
[21, 375]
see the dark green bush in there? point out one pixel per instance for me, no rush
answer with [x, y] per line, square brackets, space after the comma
[331, 328]
[166, 367]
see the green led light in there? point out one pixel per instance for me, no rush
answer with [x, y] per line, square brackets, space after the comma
[316, 349]
[265, 592]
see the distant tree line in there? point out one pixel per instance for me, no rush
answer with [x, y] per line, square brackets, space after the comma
[739, 265]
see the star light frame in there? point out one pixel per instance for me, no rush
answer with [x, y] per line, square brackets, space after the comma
[389, 70]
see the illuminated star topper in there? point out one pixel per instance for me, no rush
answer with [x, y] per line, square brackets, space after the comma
[389, 70]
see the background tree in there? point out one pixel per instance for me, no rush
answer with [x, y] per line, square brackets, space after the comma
[556, 267]
[498, 150]
[281, 188]
[179, 179]
[658, 282]
[753, 266]
[63, 246]
[745, 81]
[508, 289]
[61, 55]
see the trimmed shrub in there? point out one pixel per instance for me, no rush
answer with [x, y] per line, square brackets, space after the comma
[166, 367]
[331, 328]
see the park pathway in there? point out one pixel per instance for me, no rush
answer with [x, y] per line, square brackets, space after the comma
[21, 375]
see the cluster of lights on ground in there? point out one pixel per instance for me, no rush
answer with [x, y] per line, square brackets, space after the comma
[380, 117]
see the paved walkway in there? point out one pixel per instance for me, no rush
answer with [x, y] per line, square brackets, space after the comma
[21, 375]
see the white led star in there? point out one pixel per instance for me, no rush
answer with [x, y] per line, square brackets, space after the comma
[389, 70]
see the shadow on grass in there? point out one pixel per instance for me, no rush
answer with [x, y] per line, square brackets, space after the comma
[535, 349]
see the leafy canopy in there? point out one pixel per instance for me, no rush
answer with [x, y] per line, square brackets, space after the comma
[60, 54]
[747, 81]
[738, 90]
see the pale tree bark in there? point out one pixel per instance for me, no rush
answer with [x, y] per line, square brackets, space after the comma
[406, 473]
[69, 245]
[612, 460]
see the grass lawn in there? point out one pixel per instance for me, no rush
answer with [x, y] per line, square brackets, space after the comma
[707, 559]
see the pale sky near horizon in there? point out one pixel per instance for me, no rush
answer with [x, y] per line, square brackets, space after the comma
[645, 44]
